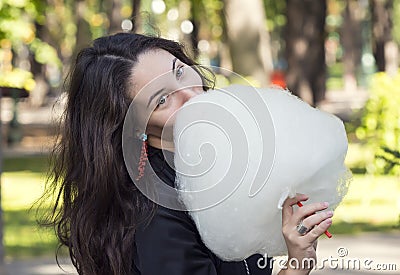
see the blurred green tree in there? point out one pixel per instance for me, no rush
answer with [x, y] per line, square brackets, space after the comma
[23, 49]
[380, 127]
[276, 21]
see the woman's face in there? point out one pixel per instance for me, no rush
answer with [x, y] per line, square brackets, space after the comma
[162, 84]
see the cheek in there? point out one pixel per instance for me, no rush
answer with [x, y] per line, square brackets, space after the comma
[161, 118]
[155, 121]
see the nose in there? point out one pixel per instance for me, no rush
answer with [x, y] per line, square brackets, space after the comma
[188, 93]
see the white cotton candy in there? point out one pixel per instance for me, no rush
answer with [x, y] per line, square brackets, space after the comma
[240, 151]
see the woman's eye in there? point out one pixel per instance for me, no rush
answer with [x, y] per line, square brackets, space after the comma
[162, 99]
[179, 72]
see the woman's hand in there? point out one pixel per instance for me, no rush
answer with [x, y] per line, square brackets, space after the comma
[302, 246]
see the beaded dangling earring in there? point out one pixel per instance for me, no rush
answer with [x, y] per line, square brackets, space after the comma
[143, 156]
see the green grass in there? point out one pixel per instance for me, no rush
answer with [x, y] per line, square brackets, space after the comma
[23, 238]
[34, 164]
[372, 204]
[341, 227]
[23, 182]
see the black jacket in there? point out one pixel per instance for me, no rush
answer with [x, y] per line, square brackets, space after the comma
[171, 245]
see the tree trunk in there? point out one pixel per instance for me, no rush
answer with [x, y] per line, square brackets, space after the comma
[248, 39]
[83, 33]
[195, 9]
[381, 11]
[305, 50]
[135, 15]
[351, 40]
[114, 15]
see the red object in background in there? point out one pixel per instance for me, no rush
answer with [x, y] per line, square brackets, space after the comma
[278, 78]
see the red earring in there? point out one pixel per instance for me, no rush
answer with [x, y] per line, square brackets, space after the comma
[143, 157]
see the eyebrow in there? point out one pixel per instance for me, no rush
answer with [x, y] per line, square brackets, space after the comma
[161, 90]
[173, 65]
[154, 95]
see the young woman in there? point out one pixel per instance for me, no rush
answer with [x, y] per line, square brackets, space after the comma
[108, 225]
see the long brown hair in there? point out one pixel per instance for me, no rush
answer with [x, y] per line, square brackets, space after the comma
[97, 207]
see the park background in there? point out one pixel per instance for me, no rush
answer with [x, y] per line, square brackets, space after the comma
[340, 56]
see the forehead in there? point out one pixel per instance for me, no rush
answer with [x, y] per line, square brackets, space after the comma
[151, 67]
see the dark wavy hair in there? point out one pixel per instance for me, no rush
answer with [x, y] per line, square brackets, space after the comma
[97, 207]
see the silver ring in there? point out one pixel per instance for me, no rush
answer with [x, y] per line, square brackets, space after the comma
[301, 228]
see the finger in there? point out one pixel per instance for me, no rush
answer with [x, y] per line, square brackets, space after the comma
[317, 218]
[292, 201]
[318, 230]
[308, 210]
[287, 209]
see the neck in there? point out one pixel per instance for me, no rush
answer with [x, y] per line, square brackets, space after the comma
[156, 142]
